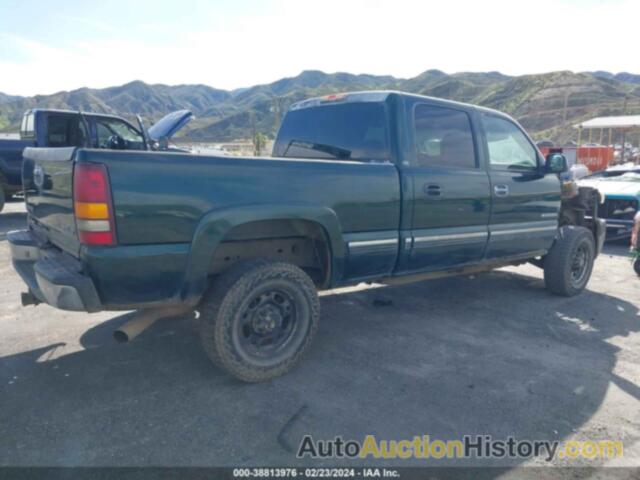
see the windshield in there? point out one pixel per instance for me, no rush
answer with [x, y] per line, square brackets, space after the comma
[348, 131]
[106, 128]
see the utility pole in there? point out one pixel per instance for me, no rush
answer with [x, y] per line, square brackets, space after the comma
[276, 109]
[254, 139]
[624, 131]
[566, 105]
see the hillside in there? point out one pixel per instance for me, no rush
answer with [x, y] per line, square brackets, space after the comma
[150, 101]
[622, 76]
[546, 104]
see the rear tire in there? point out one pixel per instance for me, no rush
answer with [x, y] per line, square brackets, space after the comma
[569, 263]
[258, 318]
[3, 196]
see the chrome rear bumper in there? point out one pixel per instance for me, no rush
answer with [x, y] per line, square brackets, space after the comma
[52, 276]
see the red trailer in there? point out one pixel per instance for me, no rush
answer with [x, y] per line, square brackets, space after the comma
[594, 158]
[624, 125]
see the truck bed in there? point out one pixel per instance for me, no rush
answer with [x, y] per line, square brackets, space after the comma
[168, 211]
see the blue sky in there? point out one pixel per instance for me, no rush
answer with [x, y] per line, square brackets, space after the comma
[50, 46]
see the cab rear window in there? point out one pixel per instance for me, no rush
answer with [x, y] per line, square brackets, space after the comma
[65, 131]
[348, 131]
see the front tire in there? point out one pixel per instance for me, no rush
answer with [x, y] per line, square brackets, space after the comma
[258, 319]
[569, 263]
[3, 196]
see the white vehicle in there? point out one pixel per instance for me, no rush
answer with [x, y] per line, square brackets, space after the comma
[615, 171]
[619, 189]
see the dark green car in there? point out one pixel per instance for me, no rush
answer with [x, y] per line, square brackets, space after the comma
[372, 186]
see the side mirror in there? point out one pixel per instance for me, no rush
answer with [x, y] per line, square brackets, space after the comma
[555, 163]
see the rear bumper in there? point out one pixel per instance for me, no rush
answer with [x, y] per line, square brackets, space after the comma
[52, 276]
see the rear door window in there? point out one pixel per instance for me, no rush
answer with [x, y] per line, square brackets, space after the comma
[443, 138]
[349, 131]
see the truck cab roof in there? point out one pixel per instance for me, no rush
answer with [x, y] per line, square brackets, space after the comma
[361, 125]
[70, 112]
[383, 96]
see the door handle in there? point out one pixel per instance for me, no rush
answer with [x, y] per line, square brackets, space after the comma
[501, 190]
[432, 189]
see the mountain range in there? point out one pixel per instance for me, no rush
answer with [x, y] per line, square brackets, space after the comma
[547, 104]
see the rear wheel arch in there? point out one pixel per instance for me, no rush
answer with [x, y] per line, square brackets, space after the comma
[300, 242]
[215, 227]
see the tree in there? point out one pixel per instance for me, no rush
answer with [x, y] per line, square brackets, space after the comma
[259, 143]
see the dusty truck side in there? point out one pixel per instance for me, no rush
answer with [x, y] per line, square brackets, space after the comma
[372, 186]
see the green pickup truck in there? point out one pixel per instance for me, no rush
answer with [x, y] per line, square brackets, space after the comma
[362, 187]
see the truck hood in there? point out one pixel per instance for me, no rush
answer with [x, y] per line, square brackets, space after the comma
[618, 187]
[168, 125]
[586, 182]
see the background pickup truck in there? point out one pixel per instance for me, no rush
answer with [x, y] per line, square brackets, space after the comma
[63, 128]
[373, 186]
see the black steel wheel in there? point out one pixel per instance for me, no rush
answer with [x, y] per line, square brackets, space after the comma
[580, 265]
[258, 319]
[270, 327]
[569, 263]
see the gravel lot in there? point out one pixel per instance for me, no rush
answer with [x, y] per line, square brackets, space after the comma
[492, 354]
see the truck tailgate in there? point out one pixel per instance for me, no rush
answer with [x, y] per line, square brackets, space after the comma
[47, 175]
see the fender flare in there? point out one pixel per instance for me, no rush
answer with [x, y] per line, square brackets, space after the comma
[215, 225]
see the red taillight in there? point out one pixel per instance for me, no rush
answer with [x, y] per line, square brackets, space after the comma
[92, 204]
[90, 183]
[96, 238]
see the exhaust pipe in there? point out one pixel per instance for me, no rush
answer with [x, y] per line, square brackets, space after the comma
[142, 320]
[28, 298]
